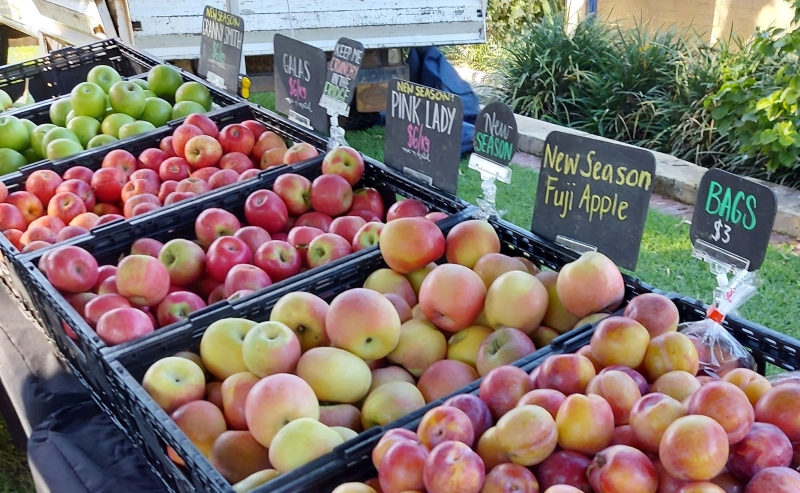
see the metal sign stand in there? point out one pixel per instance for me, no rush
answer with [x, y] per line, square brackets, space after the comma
[721, 263]
[490, 171]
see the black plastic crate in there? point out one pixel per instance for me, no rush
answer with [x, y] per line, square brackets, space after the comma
[130, 363]
[57, 73]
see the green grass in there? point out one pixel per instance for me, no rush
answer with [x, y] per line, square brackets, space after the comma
[15, 476]
[665, 256]
[21, 53]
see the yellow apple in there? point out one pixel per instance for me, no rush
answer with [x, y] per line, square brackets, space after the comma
[255, 480]
[173, 382]
[390, 402]
[270, 348]
[276, 400]
[386, 281]
[346, 433]
[363, 322]
[421, 345]
[335, 375]
[463, 345]
[304, 313]
[300, 442]
[221, 346]
[516, 299]
[416, 277]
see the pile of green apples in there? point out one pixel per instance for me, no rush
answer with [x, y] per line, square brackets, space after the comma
[100, 111]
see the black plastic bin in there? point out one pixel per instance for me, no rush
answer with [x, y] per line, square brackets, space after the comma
[92, 159]
[57, 73]
[152, 427]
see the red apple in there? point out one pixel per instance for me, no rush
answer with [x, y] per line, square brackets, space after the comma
[237, 138]
[167, 147]
[223, 178]
[331, 195]
[214, 223]
[203, 151]
[177, 306]
[295, 191]
[135, 200]
[71, 269]
[100, 305]
[108, 286]
[137, 187]
[185, 261]
[301, 151]
[366, 216]
[315, 220]
[476, 410]
[401, 467]
[122, 325]
[347, 227]
[253, 236]
[108, 218]
[327, 248]
[15, 237]
[144, 280]
[176, 197]
[236, 161]
[38, 233]
[65, 206]
[345, 162]
[503, 387]
[406, 208]
[249, 174]
[204, 123]
[81, 173]
[622, 468]
[35, 245]
[194, 185]
[204, 173]
[148, 175]
[28, 204]
[564, 467]
[370, 200]
[410, 243]
[167, 188]
[367, 236]
[246, 276]
[436, 216]
[223, 254]
[107, 184]
[147, 246]
[181, 136]
[151, 159]
[265, 208]
[279, 259]
[105, 209]
[257, 128]
[300, 238]
[54, 224]
[70, 232]
[120, 159]
[103, 273]
[218, 294]
[43, 184]
[268, 140]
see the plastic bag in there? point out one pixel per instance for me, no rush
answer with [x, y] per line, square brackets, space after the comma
[719, 351]
[787, 377]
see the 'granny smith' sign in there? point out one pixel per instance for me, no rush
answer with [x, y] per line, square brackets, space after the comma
[221, 44]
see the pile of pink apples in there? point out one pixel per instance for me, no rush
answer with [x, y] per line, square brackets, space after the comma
[297, 225]
[197, 158]
[261, 399]
[634, 411]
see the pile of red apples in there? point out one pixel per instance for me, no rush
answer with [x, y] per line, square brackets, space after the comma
[298, 225]
[197, 158]
[262, 399]
[635, 411]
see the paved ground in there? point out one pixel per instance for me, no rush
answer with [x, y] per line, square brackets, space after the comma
[664, 204]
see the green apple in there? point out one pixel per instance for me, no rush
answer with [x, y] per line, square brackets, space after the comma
[135, 128]
[11, 161]
[58, 133]
[100, 140]
[62, 148]
[157, 111]
[36, 138]
[164, 80]
[113, 122]
[186, 108]
[104, 76]
[5, 100]
[28, 124]
[69, 117]
[85, 128]
[149, 94]
[30, 156]
[194, 91]
[59, 111]
[127, 97]
[14, 134]
[88, 100]
[141, 83]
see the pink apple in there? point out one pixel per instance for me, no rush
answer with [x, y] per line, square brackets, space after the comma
[147, 175]
[143, 208]
[445, 423]
[246, 276]
[108, 286]
[136, 200]
[331, 195]
[166, 189]
[265, 208]
[204, 173]
[257, 128]
[107, 184]
[218, 294]
[195, 185]
[174, 168]
[406, 208]
[453, 467]
[100, 305]
[204, 123]
[254, 236]
[71, 269]
[15, 237]
[223, 178]
[66, 206]
[81, 173]
[476, 410]
[103, 273]
[203, 151]
[236, 161]
[54, 224]
[28, 204]
[279, 259]
[295, 191]
[224, 253]
[70, 232]
[436, 216]
[151, 159]
[144, 280]
[300, 237]
[38, 233]
[365, 215]
[315, 220]
[43, 184]
[214, 223]
[176, 197]
[237, 138]
[367, 236]
[166, 146]
[345, 162]
[138, 187]
[108, 218]
[368, 199]
[327, 248]
[177, 306]
[147, 246]
[120, 159]
[503, 387]
[35, 245]
[12, 218]
[347, 227]
[105, 209]
[249, 174]
[181, 136]
[122, 325]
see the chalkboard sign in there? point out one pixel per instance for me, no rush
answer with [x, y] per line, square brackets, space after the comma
[221, 48]
[595, 192]
[734, 214]
[300, 69]
[494, 141]
[423, 133]
[340, 83]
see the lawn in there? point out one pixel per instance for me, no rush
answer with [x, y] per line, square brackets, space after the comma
[665, 257]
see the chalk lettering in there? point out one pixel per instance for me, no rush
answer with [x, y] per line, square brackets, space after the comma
[406, 107]
[494, 127]
[417, 140]
[296, 67]
[439, 117]
[722, 202]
